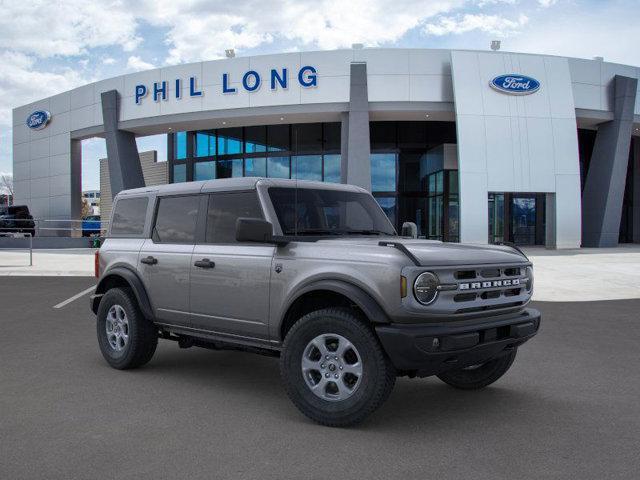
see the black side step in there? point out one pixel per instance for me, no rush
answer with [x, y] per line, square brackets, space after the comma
[403, 249]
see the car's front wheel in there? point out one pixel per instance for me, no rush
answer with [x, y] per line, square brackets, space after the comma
[127, 339]
[479, 376]
[334, 369]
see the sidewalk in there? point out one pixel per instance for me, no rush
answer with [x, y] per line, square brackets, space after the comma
[64, 262]
[585, 274]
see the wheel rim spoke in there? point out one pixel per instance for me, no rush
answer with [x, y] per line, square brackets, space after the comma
[117, 328]
[332, 367]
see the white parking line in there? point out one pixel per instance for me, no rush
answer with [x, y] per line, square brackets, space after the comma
[75, 297]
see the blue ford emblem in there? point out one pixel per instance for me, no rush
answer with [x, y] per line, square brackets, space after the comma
[38, 119]
[515, 84]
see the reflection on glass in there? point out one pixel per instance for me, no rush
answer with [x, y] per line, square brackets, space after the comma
[255, 139]
[205, 144]
[204, 171]
[332, 168]
[306, 167]
[229, 141]
[180, 146]
[383, 172]
[180, 173]
[388, 204]
[229, 168]
[278, 167]
[255, 167]
[435, 207]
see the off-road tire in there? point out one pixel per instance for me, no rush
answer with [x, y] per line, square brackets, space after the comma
[479, 377]
[378, 376]
[143, 335]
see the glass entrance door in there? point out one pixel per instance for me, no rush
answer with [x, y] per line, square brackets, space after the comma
[523, 219]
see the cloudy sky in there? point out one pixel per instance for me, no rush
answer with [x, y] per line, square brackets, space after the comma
[47, 47]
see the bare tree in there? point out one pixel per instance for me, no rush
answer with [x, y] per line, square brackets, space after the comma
[6, 186]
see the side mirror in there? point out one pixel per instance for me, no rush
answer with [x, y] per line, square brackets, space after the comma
[409, 229]
[254, 230]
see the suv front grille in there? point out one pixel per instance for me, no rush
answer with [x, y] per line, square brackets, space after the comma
[468, 289]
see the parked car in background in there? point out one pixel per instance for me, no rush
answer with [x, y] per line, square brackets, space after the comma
[91, 226]
[17, 219]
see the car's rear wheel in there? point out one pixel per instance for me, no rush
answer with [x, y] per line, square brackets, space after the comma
[334, 369]
[127, 339]
[479, 376]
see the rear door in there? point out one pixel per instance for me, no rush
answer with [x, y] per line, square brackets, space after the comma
[230, 280]
[165, 258]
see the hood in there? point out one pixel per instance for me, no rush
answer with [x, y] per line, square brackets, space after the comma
[435, 253]
[438, 253]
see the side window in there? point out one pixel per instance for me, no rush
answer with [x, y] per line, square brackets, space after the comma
[224, 209]
[176, 219]
[129, 215]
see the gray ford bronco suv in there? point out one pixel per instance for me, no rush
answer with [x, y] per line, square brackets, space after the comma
[313, 273]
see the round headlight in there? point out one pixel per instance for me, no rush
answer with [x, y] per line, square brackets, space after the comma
[425, 288]
[529, 274]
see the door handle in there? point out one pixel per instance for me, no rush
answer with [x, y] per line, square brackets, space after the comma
[204, 263]
[149, 260]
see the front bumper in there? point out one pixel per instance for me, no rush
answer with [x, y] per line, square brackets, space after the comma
[427, 349]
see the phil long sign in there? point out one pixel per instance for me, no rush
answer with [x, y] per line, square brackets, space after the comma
[515, 84]
[250, 81]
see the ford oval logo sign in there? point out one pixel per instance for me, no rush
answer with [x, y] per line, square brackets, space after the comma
[515, 84]
[38, 119]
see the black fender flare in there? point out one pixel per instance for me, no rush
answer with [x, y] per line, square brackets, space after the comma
[133, 281]
[369, 306]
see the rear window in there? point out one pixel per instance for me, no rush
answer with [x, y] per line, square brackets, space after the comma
[176, 219]
[129, 215]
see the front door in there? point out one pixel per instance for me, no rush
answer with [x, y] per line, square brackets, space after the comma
[165, 259]
[523, 219]
[230, 280]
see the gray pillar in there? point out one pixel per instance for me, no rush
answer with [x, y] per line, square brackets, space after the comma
[550, 229]
[125, 170]
[356, 149]
[636, 190]
[604, 186]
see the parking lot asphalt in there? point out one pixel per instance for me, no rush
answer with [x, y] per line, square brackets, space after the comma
[568, 408]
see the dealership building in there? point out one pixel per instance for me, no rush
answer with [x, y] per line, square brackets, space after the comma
[472, 146]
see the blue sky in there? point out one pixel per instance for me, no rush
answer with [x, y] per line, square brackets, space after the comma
[49, 48]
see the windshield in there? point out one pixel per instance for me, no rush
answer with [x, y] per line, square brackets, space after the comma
[328, 212]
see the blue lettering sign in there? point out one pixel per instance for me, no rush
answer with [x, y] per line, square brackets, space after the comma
[251, 82]
[157, 90]
[225, 84]
[253, 85]
[141, 92]
[515, 84]
[309, 80]
[275, 77]
[192, 88]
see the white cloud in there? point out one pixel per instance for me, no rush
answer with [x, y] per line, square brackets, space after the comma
[45, 28]
[108, 61]
[21, 83]
[135, 63]
[491, 24]
[547, 3]
[202, 31]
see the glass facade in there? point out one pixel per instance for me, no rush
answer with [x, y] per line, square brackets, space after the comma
[410, 180]
[309, 151]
